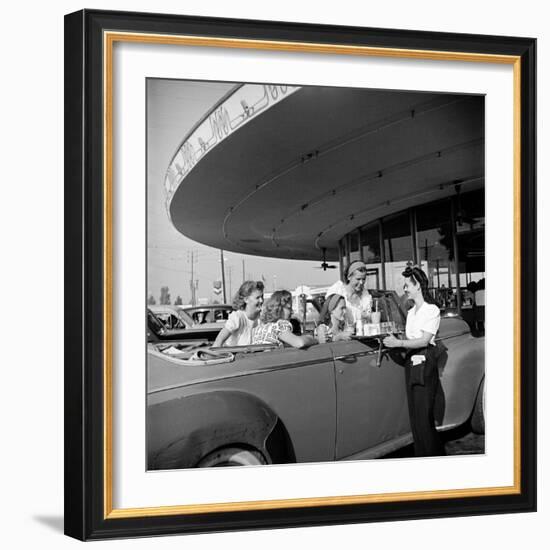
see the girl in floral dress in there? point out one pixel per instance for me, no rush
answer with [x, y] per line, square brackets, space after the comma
[275, 327]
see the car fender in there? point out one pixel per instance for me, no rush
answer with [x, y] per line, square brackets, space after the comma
[182, 431]
[461, 379]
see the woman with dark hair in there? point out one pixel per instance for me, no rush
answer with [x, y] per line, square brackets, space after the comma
[421, 374]
[332, 322]
[358, 298]
[276, 327]
[247, 306]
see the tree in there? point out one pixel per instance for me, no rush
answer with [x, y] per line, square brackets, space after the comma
[151, 300]
[178, 301]
[164, 296]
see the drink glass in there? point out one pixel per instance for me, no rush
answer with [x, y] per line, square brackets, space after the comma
[366, 316]
[321, 334]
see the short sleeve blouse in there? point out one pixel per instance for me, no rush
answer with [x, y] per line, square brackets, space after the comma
[426, 319]
[240, 329]
[268, 333]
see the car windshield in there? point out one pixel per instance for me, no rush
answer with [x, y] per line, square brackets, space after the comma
[392, 310]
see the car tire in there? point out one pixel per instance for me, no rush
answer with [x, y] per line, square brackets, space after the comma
[232, 456]
[477, 421]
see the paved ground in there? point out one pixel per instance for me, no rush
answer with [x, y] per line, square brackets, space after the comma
[464, 442]
[461, 441]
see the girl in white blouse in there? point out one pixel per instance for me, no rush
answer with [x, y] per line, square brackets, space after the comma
[421, 374]
[247, 306]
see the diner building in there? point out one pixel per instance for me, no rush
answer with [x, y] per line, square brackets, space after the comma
[339, 174]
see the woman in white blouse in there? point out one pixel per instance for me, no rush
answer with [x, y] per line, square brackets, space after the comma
[421, 374]
[358, 298]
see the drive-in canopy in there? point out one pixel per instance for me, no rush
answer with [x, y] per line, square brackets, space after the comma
[285, 172]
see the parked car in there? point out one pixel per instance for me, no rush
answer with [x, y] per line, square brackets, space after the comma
[166, 323]
[206, 314]
[267, 404]
[171, 316]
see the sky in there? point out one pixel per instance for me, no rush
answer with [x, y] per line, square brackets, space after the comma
[173, 108]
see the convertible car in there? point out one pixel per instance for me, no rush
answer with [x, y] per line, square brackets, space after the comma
[267, 404]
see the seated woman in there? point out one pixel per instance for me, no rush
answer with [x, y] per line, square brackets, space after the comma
[241, 323]
[332, 320]
[421, 374]
[275, 327]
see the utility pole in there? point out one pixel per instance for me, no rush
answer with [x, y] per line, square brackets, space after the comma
[223, 277]
[229, 271]
[192, 284]
[243, 271]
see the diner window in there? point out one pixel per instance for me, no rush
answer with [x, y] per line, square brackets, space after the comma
[344, 250]
[370, 244]
[398, 249]
[470, 235]
[370, 251]
[354, 246]
[434, 239]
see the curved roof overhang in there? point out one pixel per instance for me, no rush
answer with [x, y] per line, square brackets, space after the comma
[319, 162]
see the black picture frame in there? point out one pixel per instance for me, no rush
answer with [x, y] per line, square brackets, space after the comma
[87, 513]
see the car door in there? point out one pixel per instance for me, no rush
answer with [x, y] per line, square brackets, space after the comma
[371, 400]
